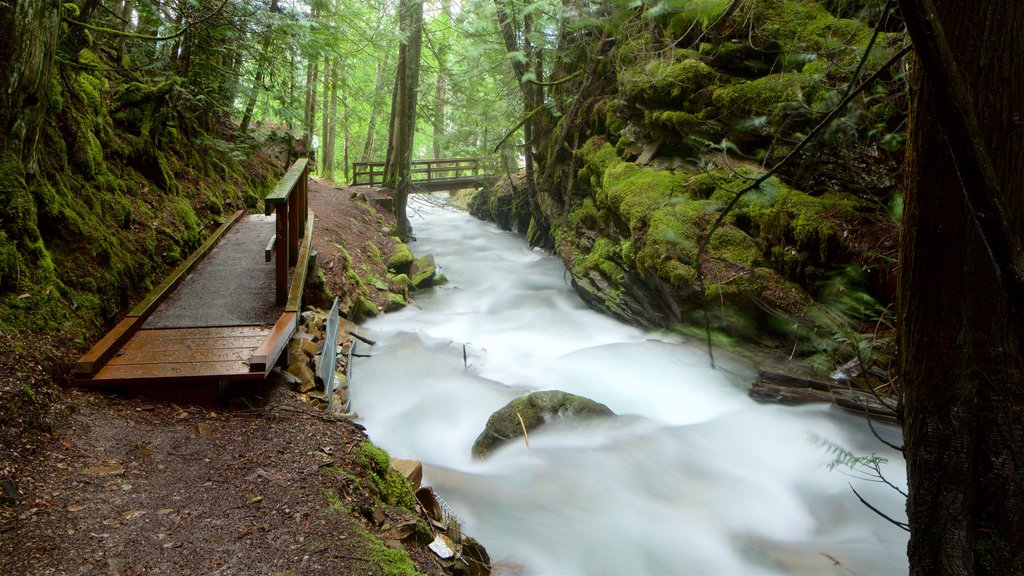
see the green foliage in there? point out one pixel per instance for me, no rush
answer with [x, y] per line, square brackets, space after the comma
[850, 323]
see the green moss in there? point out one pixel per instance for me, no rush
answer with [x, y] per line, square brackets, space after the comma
[401, 259]
[361, 309]
[678, 120]
[584, 214]
[662, 81]
[391, 487]
[423, 270]
[604, 257]
[759, 96]
[793, 217]
[807, 27]
[635, 192]
[394, 302]
[392, 561]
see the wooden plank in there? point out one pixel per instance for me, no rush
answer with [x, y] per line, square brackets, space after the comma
[281, 265]
[293, 227]
[141, 356]
[158, 294]
[103, 350]
[294, 303]
[186, 344]
[180, 372]
[264, 357]
[201, 332]
[284, 186]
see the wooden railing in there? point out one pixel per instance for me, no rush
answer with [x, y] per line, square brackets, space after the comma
[289, 200]
[429, 171]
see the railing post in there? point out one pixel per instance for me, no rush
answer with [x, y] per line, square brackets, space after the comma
[293, 227]
[281, 249]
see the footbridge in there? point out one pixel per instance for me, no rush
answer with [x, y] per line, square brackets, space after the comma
[227, 312]
[437, 175]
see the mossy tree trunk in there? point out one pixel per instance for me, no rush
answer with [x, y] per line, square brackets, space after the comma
[398, 164]
[27, 50]
[962, 359]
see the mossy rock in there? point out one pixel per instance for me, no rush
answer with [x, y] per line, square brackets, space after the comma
[402, 258]
[390, 486]
[400, 283]
[361, 309]
[394, 302]
[423, 271]
[535, 409]
[760, 96]
[664, 82]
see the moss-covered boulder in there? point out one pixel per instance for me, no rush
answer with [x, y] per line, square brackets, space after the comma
[422, 272]
[401, 259]
[535, 410]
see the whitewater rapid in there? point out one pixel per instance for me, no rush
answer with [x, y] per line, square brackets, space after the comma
[692, 478]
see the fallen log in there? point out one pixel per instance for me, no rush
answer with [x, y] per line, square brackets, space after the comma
[791, 390]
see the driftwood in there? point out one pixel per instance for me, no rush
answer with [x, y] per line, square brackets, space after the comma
[781, 388]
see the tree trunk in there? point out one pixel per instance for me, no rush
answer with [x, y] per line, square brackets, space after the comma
[961, 358]
[332, 125]
[310, 112]
[518, 41]
[440, 95]
[375, 106]
[441, 87]
[28, 48]
[346, 134]
[325, 113]
[403, 111]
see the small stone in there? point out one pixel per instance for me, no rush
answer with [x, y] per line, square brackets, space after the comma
[340, 380]
[10, 493]
[305, 376]
[295, 353]
[308, 347]
[411, 470]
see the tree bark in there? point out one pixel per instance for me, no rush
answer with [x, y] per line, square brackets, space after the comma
[28, 48]
[519, 41]
[961, 358]
[375, 106]
[325, 115]
[403, 112]
[332, 125]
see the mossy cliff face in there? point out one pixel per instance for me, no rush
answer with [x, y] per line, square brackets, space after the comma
[693, 101]
[108, 206]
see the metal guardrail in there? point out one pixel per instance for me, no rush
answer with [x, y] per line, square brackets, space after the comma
[329, 356]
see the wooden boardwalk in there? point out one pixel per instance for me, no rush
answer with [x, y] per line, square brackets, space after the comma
[226, 313]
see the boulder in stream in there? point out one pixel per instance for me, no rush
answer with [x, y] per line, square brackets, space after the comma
[535, 409]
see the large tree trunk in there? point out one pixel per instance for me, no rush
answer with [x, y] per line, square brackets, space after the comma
[403, 112]
[28, 47]
[962, 363]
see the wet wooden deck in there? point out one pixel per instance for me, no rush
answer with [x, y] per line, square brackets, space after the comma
[218, 316]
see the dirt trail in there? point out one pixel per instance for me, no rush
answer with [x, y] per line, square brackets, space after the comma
[193, 480]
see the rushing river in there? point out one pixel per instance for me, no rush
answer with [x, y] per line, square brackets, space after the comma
[692, 478]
